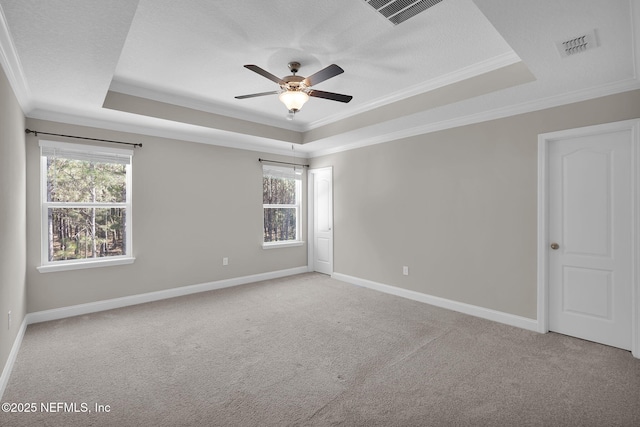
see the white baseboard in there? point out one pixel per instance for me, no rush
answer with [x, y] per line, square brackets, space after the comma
[13, 354]
[94, 307]
[473, 310]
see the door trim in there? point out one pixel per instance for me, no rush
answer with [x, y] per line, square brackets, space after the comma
[544, 140]
[311, 220]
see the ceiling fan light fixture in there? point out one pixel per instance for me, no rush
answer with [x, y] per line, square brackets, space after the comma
[294, 91]
[293, 99]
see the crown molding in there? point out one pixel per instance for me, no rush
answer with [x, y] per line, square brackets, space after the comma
[201, 105]
[126, 122]
[192, 133]
[494, 114]
[477, 69]
[12, 66]
[488, 65]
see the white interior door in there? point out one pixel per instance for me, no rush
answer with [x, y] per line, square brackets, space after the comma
[322, 253]
[590, 237]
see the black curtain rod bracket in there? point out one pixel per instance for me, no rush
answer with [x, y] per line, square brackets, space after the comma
[35, 132]
[282, 163]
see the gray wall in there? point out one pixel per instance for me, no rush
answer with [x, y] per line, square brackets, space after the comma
[13, 249]
[192, 205]
[459, 207]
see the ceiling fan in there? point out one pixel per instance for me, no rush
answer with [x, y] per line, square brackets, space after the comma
[296, 90]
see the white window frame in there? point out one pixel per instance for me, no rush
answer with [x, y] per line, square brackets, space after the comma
[298, 172]
[47, 266]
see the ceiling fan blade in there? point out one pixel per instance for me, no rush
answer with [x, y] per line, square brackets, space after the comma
[253, 95]
[330, 95]
[324, 74]
[264, 73]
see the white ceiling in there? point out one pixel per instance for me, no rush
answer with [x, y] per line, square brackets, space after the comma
[173, 68]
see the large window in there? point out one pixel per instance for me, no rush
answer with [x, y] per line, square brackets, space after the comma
[281, 198]
[86, 206]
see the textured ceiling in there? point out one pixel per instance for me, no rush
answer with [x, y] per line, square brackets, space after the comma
[173, 68]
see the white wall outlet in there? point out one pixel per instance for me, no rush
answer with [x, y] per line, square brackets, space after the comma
[9, 320]
[225, 261]
[405, 270]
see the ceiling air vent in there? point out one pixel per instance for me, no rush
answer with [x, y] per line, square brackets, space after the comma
[577, 44]
[398, 11]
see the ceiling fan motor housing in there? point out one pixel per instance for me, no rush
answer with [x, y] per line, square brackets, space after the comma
[293, 83]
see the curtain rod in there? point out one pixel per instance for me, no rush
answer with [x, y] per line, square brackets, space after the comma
[35, 132]
[282, 163]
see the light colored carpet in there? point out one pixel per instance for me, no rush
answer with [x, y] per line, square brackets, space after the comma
[312, 351]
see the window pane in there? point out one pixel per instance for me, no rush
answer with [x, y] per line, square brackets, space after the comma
[278, 191]
[79, 233]
[83, 181]
[279, 224]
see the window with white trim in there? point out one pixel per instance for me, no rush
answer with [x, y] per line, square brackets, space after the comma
[86, 205]
[281, 201]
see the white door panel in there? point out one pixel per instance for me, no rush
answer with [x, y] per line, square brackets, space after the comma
[586, 189]
[590, 220]
[323, 213]
[587, 292]
[322, 249]
[322, 220]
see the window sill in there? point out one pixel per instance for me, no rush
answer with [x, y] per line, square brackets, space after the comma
[286, 244]
[88, 264]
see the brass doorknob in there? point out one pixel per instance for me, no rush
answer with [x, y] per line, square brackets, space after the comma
[555, 246]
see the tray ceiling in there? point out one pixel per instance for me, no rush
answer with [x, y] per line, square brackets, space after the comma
[173, 68]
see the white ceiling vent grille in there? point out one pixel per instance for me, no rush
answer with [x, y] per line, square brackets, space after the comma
[579, 44]
[398, 11]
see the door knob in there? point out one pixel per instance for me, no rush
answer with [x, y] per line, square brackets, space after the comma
[555, 246]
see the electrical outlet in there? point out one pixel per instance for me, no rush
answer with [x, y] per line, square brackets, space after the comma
[225, 261]
[405, 270]
[9, 320]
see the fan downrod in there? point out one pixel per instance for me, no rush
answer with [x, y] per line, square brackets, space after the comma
[294, 67]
